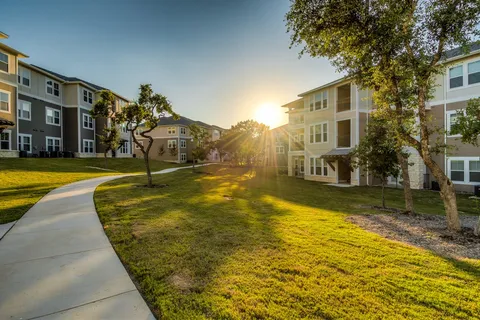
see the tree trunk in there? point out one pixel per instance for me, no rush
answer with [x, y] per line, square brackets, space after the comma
[105, 155]
[383, 194]
[407, 191]
[147, 166]
[193, 166]
[476, 230]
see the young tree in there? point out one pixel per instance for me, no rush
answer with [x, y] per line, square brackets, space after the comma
[395, 48]
[377, 153]
[201, 143]
[105, 108]
[148, 110]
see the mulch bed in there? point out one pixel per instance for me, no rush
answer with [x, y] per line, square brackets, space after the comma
[425, 231]
[153, 186]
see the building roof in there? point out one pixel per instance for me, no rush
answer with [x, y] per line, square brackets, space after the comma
[460, 51]
[3, 35]
[11, 50]
[5, 122]
[184, 121]
[336, 153]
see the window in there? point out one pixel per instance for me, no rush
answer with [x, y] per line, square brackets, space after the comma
[4, 101]
[172, 144]
[457, 172]
[451, 120]
[171, 130]
[125, 148]
[183, 157]
[53, 88]
[474, 72]
[123, 128]
[319, 133]
[87, 121]
[474, 170]
[137, 146]
[5, 138]
[53, 116]
[183, 143]
[87, 96]
[24, 110]
[318, 167]
[25, 142]
[319, 101]
[280, 149]
[183, 130]
[3, 62]
[24, 77]
[53, 144]
[87, 146]
[456, 77]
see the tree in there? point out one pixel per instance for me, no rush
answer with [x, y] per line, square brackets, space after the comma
[105, 108]
[147, 111]
[467, 124]
[201, 143]
[245, 142]
[395, 48]
[377, 153]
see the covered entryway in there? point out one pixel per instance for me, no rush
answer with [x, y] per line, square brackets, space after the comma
[343, 168]
[298, 166]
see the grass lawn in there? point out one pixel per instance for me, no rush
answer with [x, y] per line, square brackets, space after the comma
[280, 249]
[25, 181]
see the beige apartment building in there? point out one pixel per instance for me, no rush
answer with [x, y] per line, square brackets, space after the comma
[172, 140]
[325, 123]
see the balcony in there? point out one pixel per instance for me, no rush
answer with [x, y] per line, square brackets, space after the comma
[344, 98]
[297, 146]
[343, 134]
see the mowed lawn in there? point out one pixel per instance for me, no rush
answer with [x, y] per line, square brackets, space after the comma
[25, 181]
[241, 245]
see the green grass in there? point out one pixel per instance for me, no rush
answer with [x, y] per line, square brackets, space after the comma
[25, 181]
[281, 249]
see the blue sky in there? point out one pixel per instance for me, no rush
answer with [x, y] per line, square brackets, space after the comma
[217, 61]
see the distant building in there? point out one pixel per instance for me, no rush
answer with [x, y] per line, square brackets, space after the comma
[276, 154]
[172, 141]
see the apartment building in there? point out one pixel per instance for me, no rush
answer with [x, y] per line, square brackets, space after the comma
[325, 123]
[172, 140]
[50, 111]
[276, 154]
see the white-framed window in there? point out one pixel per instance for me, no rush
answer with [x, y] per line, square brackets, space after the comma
[53, 143]
[88, 146]
[318, 101]
[183, 130]
[3, 62]
[280, 149]
[6, 140]
[53, 88]
[171, 130]
[125, 148]
[136, 145]
[183, 157]
[52, 116]
[183, 143]
[24, 77]
[87, 121]
[87, 96]
[123, 128]
[319, 133]
[5, 101]
[25, 142]
[451, 121]
[24, 110]
[455, 76]
[171, 144]
[318, 167]
[473, 69]
[464, 170]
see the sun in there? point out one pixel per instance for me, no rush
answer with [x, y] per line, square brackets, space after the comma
[269, 114]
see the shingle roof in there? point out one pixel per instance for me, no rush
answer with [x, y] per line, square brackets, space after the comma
[71, 79]
[337, 153]
[460, 51]
[5, 122]
[183, 121]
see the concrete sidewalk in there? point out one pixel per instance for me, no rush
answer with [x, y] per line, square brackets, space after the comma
[57, 263]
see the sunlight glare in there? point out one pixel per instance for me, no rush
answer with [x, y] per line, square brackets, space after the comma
[269, 114]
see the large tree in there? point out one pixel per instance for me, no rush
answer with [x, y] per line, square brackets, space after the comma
[245, 142]
[201, 143]
[396, 49]
[147, 111]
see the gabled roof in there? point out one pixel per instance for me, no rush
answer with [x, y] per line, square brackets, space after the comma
[13, 51]
[3, 35]
[458, 52]
[184, 121]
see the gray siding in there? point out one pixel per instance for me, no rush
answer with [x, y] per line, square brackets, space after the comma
[86, 133]
[70, 132]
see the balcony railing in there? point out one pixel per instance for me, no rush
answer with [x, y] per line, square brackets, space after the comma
[297, 146]
[343, 141]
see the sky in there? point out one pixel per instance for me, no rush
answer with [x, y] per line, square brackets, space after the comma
[217, 61]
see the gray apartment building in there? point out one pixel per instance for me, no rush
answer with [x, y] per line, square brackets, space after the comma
[50, 111]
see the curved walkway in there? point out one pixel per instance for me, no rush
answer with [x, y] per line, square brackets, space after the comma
[57, 263]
